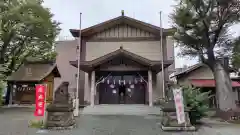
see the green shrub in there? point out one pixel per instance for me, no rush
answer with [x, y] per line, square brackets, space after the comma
[36, 124]
[197, 102]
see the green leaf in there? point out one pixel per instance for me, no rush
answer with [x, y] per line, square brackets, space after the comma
[203, 27]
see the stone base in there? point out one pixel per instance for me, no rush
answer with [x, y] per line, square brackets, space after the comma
[60, 111]
[230, 115]
[63, 119]
[192, 128]
[53, 124]
[62, 128]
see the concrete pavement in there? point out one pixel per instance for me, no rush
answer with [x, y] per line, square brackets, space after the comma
[14, 121]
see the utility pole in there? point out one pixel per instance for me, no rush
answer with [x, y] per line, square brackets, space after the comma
[162, 57]
[76, 111]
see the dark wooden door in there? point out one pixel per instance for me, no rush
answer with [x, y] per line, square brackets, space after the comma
[108, 94]
[135, 93]
[139, 93]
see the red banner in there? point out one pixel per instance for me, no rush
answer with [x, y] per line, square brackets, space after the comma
[40, 100]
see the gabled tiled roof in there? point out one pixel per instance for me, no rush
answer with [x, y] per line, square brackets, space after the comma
[189, 69]
[120, 20]
[34, 71]
[193, 68]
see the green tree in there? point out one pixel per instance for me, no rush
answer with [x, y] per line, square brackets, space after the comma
[27, 30]
[203, 30]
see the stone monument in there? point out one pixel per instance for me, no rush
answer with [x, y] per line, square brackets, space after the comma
[60, 111]
[170, 122]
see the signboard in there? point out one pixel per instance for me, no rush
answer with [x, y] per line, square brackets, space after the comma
[25, 87]
[178, 98]
[40, 100]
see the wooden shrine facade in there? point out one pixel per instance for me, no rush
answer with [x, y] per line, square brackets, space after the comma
[21, 84]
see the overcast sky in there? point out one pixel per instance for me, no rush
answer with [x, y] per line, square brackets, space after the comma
[97, 11]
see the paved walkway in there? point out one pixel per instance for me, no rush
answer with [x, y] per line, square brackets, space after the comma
[14, 121]
[221, 127]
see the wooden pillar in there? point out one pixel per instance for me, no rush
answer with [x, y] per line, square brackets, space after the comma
[92, 88]
[8, 96]
[150, 93]
[11, 94]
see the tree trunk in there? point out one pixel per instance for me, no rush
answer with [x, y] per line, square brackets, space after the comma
[224, 94]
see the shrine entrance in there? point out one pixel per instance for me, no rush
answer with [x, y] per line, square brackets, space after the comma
[128, 78]
[122, 88]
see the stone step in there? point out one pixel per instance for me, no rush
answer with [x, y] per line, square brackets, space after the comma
[121, 110]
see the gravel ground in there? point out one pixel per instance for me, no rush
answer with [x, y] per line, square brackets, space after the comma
[14, 121]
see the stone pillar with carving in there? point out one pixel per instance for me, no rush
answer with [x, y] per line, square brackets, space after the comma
[60, 111]
[169, 119]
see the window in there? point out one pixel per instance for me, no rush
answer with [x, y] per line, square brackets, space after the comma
[238, 94]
